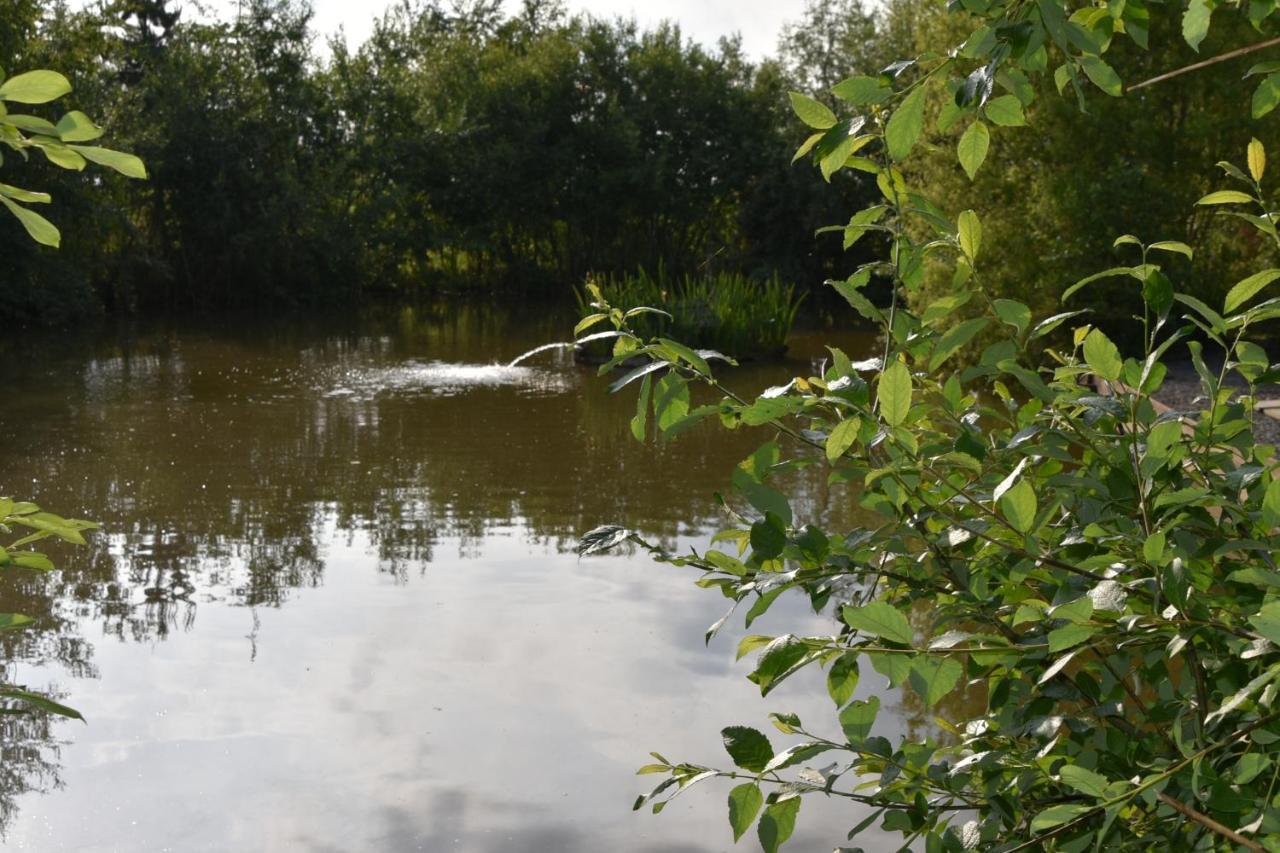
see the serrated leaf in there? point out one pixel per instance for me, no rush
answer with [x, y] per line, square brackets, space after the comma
[1061, 639]
[893, 393]
[1084, 780]
[1058, 815]
[842, 437]
[969, 233]
[1102, 75]
[777, 823]
[750, 749]
[972, 148]
[842, 678]
[905, 125]
[1006, 111]
[813, 113]
[1102, 356]
[955, 338]
[934, 677]
[1245, 290]
[744, 804]
[857, 719]
[880, 619]
[1019, 506]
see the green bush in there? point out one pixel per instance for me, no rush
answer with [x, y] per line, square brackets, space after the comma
[1096, 567]
[730, 312]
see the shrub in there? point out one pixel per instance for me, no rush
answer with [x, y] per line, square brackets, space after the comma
[1099, 567]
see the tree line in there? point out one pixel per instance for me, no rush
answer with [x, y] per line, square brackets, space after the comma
[460, 147]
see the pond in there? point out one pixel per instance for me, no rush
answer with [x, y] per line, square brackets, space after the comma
[335, 605]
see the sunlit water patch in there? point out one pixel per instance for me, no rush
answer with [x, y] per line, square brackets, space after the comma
[441, 378]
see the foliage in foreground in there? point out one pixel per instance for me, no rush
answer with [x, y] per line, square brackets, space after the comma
[1098, 567]
[62, 146]
[724, 311]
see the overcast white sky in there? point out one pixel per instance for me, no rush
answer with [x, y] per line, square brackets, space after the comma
[702, 20]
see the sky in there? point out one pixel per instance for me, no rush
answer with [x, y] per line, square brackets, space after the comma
[759, 21]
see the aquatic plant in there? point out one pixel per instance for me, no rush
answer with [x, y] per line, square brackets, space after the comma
[738, 315]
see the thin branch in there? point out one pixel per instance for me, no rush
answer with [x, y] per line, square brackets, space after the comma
[1231, 54]
[1205, 820]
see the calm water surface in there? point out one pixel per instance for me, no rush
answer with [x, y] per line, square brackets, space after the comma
[335, 605]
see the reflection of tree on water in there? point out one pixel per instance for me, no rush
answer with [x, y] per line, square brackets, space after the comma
[221, 469]
[29, 755]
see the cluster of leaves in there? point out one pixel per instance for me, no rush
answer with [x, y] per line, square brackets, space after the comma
[24, 515]
[61, 144]
[58, 143]
[1093, 564]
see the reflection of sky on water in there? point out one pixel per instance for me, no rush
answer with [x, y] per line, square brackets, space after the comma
[334, 608]
[501, 704]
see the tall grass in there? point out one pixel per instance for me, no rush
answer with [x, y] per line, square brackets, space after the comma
[729, 312]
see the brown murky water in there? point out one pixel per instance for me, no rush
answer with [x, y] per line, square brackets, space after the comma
[335, 605]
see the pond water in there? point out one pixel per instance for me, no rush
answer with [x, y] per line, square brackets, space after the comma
[335, 604]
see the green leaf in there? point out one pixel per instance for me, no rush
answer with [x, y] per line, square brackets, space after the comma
[44, 703]
[849, 289]
[1058, 815]
[857, 719]
[1266, 97]
[748, 748]
[955, 338]
[1257, 156]
[1014, 313]
[744, 804]
[1195, 22]
[1226, 197]
[778, 822]
[813, 113]
[1019, 506]
[1173, 246]
[862, 90]
[1267, 621]
[1102, 356]
[768, 537]
[1005, 111]
[639, 423]
[1245, 290]
[126, 164]
[1061, 639]
[880, 619]
[1271, 505]
[777, 661]
[75, 126]
[1102, 75]
[893, 393]
[1084, 780]
[972, 148]
[842, 437]
[13, 620]
[934, 677]
[34, 87]
[842, 678]
[969, 233]
[41, 230]
[905, 125]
